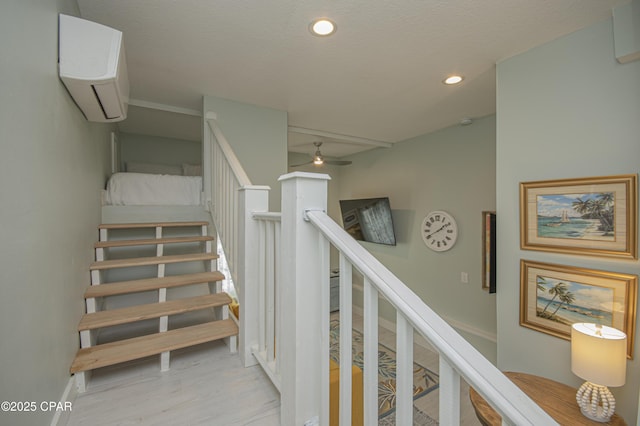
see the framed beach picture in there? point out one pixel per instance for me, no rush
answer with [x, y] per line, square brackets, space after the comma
[553, 297]
[590, 216]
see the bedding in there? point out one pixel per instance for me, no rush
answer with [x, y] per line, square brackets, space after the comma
[142, 189]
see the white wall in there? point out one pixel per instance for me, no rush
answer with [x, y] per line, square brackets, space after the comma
[258, 137]
[565, 110]
[52, 167]
[452, 170]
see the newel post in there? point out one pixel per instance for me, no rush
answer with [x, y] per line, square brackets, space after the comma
[250, 199]
[305, 303]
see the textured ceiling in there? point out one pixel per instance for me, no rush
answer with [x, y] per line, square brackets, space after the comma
[378, 77]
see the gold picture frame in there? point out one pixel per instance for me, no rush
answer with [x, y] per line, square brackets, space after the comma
[593, 216]
[553, 297]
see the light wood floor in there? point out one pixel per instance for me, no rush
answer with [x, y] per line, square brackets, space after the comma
[207, 385]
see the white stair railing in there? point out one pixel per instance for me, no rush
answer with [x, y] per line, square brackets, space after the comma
[269, 293]
[307, 233]
[231, 200]
[280, 265]
[228, 177]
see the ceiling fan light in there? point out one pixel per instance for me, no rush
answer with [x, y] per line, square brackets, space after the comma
[318, 160]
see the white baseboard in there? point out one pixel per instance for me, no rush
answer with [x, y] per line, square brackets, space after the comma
[61, 417]
[460, 326]
[391, 326]
[492, 337]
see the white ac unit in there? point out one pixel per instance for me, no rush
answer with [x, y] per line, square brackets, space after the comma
[92, 66]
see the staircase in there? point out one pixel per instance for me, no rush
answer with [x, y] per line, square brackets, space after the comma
[120, 257]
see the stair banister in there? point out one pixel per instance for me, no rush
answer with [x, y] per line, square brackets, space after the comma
[458, 357]
[232, 199]
[247, 281]
[270, 291]
[302, 335]
[232, 159]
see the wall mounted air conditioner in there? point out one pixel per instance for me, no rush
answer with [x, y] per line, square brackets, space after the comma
[92, 67]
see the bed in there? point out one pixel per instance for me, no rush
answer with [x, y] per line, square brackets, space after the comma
[148, 189]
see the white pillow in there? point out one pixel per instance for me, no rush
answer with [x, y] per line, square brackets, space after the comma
[192, 169]
[156, 169]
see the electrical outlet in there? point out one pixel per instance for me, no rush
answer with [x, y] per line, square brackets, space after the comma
[464, 277]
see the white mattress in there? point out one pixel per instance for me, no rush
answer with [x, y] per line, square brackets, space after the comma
[141, 189]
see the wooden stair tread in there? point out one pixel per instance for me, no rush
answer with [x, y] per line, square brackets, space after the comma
[154, 260]
[152, 310]
[148, 284]
[140, 347]
[152, 241]
[151, 225]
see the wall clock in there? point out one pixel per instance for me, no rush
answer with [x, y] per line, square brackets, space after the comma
[439, 230]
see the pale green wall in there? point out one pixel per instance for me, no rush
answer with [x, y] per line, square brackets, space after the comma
[52, 167]
[565, 110]
[258, 137]
[157, 150]
[452, 170]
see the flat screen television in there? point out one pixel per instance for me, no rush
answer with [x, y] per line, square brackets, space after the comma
[369, 219]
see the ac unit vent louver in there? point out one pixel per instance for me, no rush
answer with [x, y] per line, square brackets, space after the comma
[92, 66]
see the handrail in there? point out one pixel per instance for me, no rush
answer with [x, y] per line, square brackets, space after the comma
[232, 159]
[486, 379]
[267, 216]
[278, 263]
[266, 351]
[228, 178]
[231, 199]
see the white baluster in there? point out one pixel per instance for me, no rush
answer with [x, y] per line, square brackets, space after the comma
[449, 394]
[404, 372]
[346, 324]
[370, 380]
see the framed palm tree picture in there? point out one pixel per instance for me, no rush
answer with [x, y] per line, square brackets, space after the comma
[590, 216]
[553, 297]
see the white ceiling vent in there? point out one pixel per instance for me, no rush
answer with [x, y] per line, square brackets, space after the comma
[92, 66]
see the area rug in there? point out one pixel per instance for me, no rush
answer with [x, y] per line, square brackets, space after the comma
[419, 419]
[424, 380]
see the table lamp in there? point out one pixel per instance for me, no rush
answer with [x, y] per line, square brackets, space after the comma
[599, 356]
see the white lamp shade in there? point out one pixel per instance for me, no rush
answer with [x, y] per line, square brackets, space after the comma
[599, 354]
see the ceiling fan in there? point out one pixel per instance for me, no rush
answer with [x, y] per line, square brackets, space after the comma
[319, 160]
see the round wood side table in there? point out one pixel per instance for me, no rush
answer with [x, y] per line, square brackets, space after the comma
[557, 399]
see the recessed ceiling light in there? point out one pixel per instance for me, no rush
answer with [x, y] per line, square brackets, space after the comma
[453, 79]
[322, 27]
